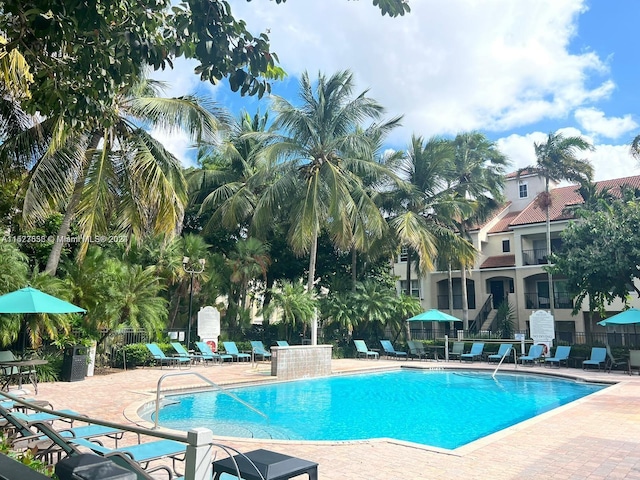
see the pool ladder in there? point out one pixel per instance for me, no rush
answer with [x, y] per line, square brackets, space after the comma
[206, 380]
[505, 355]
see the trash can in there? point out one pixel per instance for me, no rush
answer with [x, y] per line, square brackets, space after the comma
[91, 467]
[74, 364]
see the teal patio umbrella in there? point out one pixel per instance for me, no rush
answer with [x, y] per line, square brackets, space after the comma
[31, 300]
[433, 315]
[628, 317]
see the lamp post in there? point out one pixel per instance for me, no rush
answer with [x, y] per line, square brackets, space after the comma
[191, 269]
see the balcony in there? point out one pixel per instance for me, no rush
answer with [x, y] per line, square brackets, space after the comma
[537, 256]
[443, 302]
[535, 301]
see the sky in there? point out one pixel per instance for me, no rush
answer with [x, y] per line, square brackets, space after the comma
[515, 70]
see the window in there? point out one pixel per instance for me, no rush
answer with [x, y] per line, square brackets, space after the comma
[404, 254]
[523, 190]
[415, 287]
[506, 247]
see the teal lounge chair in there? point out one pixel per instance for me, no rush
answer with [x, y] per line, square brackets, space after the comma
[258, 349]
[503, 351]
[475, 353]
[534, 355]
[182, 352]
[561, 355]
[232, 349]
[416, 350]
[159, 356]
[392, 352]
[282, 343]
[363, 351]
[456, 350]
[209, 355]
[598, 358]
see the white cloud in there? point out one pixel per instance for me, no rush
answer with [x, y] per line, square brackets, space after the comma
[609, 161]
[178, 143]
[449, 66]
[595, 122]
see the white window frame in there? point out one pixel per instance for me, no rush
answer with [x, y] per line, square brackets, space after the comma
[525, 186]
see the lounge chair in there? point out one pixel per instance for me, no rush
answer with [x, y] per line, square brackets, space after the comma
[613, 362]
[258, 349]
[21, 424]
[634, 361]
[209, 355]
[143, 453]
[118, 456]
[182, 352]
[416, 350]
[390, 351]
[232, 349]
[503, 351]
[363, 351]
[475, 353]
[282, 343]
[534, 355]
[159, 356]
[598, 358]
[457, 349]
[561, 355]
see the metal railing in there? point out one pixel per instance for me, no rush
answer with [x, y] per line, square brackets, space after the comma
[206, 380]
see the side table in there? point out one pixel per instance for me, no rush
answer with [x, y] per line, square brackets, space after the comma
[271, 465]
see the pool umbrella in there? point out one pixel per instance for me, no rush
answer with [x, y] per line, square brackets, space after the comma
[433, 315]
[628, 317]
[31, 300]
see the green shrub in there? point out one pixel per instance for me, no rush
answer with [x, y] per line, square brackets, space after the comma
[136, 355]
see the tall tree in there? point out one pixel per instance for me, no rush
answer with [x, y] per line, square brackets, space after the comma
[121, 172]
[324, 155]
[477, 177]
[556, 160]
[418, 209]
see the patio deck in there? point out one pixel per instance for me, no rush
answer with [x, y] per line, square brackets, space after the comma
[593, 438]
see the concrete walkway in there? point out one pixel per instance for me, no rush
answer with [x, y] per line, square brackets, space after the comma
[593, 438]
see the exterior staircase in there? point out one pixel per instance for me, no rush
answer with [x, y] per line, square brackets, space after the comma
[486, 325]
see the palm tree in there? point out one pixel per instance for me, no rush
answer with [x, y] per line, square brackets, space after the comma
[323, 156]
[418, 209]
[556, 160]
[478, 178]
[295, 306]
[249, 260]
[119, 171]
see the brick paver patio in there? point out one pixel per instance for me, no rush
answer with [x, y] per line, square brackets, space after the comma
[593, 438]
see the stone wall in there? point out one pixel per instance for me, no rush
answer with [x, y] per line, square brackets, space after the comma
[301, 361]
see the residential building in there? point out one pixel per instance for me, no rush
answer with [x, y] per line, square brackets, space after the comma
[512, 251]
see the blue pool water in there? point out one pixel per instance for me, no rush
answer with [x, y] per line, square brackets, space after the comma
[439, 408]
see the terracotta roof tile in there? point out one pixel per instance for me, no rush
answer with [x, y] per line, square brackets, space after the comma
[499, 261]
[504, 223]
[566, 196]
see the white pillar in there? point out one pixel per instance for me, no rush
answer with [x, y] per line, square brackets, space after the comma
[314, 328]
[199, 454]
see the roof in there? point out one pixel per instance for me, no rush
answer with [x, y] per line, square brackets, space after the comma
[499, 261]
[561, 198]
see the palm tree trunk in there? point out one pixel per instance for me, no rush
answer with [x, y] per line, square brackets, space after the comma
[408, 291]
[63, 231]
[312, 273]
[450, 290]
[354, 259]
[552, 299]
[465, 305]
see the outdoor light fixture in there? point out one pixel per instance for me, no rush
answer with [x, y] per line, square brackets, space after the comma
[191, 270]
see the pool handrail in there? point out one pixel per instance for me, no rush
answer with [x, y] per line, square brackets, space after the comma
[504, 355]
[206, 380]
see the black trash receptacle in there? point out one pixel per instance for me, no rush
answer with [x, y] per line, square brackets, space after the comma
[91, 467]
[74, 364]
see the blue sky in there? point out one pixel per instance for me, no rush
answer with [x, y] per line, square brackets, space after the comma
[512, 69]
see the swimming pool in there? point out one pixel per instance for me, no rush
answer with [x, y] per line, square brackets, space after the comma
[444, 409]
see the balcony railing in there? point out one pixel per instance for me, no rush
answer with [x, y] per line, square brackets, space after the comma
[534, 301]
[537, 256]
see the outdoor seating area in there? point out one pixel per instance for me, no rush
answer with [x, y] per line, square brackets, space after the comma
[82, 449]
